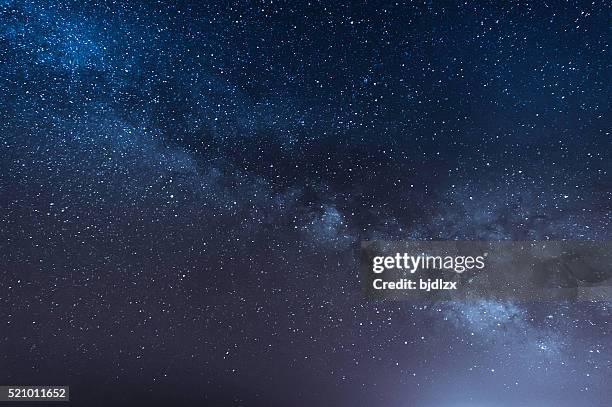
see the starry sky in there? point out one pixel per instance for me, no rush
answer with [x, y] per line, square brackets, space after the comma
[184, 186]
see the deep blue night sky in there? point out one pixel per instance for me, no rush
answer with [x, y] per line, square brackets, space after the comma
[184, 186]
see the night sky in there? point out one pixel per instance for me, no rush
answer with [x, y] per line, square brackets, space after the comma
[184, 186]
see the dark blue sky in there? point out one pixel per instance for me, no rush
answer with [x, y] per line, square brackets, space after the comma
[184, 187]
